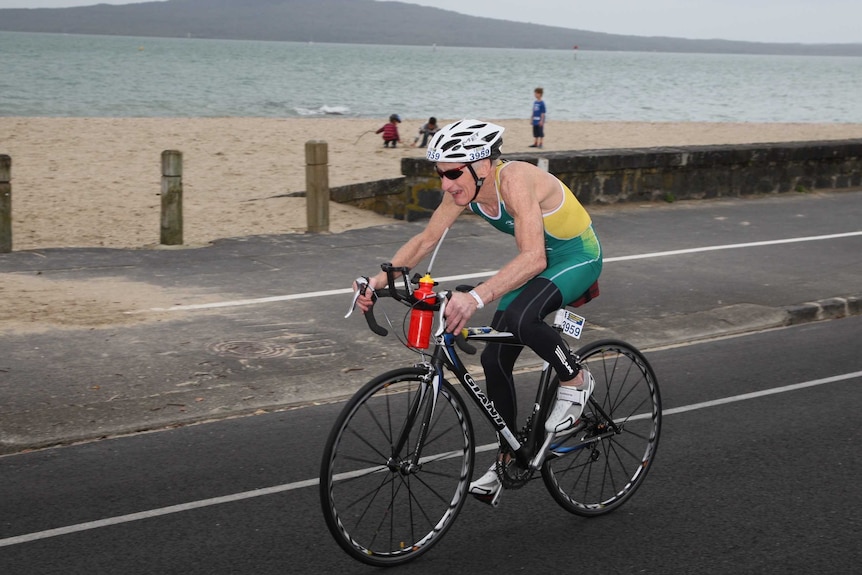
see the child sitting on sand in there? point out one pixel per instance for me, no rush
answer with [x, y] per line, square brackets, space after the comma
[390, 131]
[426, 131]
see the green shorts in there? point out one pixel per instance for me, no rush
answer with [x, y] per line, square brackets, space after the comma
[573, 266]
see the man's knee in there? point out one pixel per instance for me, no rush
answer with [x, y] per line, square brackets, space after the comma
[514, 314]
[522, 321]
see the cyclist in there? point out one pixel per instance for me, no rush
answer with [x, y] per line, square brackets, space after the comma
[559, 258]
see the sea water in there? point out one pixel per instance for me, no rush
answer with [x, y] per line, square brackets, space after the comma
[82, 76]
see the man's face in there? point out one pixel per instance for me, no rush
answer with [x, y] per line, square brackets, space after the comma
[456, 181]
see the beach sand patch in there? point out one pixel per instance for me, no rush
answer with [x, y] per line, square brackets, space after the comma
[95, 182]
[35, 303]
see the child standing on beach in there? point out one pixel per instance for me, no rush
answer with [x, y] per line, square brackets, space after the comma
[538, 119]
[390, 131]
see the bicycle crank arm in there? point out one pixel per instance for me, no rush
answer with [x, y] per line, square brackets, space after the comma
[537, 461]
[492, 500]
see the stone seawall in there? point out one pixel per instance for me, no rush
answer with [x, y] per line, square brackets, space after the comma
[643, 174]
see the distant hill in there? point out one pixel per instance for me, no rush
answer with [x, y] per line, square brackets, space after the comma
[359, 22]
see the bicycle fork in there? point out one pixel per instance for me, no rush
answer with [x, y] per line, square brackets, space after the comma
[422, 410]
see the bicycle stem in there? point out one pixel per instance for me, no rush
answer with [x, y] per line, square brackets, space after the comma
[443, 296]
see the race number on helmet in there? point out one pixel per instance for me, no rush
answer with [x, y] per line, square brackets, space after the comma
[466, 141]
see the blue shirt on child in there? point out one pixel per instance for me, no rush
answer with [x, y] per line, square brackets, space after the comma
[538, 110]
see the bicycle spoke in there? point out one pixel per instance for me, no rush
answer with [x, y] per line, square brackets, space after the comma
[383, 507]
[369, 444]
[597, 469]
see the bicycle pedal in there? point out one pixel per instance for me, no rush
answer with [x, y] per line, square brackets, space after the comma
[492, 500]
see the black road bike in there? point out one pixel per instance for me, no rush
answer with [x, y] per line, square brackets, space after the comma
[399, 460]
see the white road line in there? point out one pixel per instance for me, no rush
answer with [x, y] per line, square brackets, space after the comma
[17, 540]
[262, 300]
[734, 246]
[763, 393]
[155, 513]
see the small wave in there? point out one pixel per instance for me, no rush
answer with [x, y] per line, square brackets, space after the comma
[323, 110]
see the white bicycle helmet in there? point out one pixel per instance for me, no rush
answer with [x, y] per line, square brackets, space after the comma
[466, 141]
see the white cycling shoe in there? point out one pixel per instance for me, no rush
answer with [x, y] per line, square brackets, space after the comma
[569, 405]
[488, 485]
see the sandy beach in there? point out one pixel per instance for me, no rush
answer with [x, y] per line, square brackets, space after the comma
[96, 181]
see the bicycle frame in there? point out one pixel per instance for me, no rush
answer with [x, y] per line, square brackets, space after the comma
[530, 453]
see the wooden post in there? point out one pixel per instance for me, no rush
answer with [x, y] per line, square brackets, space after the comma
[172, 198]
[5, 204]
[317, 186]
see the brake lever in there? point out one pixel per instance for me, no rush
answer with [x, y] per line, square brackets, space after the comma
[362, 283]
[441, 325]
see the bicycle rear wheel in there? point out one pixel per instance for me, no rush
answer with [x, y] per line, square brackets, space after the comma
[380, 509]
[598, 467]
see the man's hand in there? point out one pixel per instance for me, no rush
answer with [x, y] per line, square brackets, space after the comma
[364, 300]
[459, 309]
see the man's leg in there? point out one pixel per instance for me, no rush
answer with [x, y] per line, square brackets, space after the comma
[498, 361]
[525, 317]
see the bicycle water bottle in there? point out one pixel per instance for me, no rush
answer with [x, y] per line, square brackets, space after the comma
[419, 334]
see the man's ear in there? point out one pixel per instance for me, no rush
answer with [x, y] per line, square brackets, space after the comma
[483, 169]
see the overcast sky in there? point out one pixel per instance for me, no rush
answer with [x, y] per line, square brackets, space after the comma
[806, 21]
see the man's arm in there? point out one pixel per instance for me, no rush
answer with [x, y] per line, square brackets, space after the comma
[518, 193]
[423, 243]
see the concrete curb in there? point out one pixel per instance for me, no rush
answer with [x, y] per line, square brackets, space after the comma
[831, 308]
[734, 320]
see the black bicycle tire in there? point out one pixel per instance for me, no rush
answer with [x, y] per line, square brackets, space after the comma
[335, 514]
[610, 450]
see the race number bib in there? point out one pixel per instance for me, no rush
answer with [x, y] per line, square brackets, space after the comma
[570, 323]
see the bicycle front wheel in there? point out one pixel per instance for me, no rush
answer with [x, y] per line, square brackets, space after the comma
[598, 467]
[382, 504]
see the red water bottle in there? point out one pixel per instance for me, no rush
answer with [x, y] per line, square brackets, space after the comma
[419, 334]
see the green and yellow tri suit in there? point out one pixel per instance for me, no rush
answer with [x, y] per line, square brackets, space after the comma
[571, 246]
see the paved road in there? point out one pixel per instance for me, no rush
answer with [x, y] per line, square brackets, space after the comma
[673, 273]
[751, 476]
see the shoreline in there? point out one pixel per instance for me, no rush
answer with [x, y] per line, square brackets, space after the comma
[95, 182]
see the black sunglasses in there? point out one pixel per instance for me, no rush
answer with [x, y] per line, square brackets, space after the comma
[452, 174]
